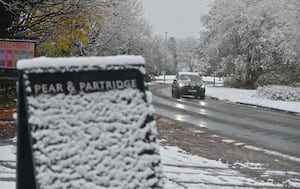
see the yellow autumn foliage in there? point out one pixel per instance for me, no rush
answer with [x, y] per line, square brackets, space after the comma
[58, 38]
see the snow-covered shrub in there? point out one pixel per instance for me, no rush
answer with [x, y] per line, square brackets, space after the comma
[278, 92]
[272, 79]
[233, 82]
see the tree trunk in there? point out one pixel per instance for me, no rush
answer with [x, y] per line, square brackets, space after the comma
[248, 79]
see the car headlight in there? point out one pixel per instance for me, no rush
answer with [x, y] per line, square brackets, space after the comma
[182, 84]
[202, 86]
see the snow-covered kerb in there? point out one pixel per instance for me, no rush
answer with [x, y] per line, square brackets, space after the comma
[98, 139]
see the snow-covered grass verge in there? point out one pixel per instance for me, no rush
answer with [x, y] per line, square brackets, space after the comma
[7, 185]
[168, 79]
[250, 97]
[6, 153]
[275, 92]
[7, 171]
[184, 170]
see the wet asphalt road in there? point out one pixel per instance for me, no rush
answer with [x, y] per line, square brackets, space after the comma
[264, 128]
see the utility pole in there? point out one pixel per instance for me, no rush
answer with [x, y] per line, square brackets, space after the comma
[166, 37]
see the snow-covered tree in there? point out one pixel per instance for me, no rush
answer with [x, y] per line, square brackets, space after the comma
[254, 34]
[173, 52]
[154, 55]
[188, 54]
[122, 31]
[80, 27]
[58, 26]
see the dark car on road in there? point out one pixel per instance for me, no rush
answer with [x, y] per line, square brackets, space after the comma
[188, 83]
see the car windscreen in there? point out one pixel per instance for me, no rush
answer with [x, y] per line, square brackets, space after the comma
[190, 78]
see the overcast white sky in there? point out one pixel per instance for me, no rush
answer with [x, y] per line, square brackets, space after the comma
[180, 18]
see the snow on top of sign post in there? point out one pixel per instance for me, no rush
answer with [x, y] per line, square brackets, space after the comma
[46, 62]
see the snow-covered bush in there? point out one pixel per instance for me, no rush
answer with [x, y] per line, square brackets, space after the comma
[277, 92]
[273, 79]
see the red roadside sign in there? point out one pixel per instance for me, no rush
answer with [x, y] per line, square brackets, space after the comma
[13, 50]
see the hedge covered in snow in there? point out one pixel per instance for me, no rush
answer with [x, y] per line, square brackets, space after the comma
[277, 92]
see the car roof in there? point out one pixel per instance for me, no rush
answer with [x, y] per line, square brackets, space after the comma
[188, 73]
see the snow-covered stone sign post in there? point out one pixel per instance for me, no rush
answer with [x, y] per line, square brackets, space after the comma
[86, 123]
